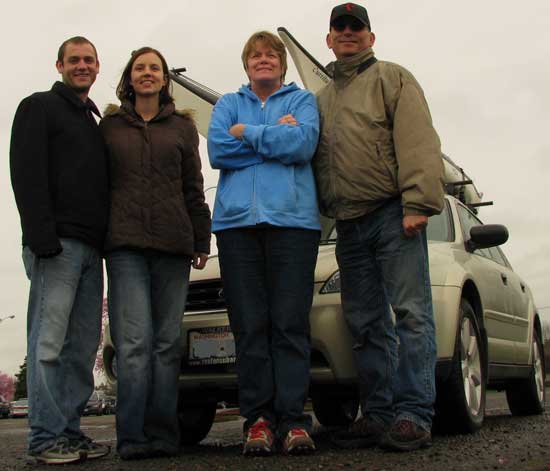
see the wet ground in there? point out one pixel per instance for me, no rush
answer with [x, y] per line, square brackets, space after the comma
[505, 442]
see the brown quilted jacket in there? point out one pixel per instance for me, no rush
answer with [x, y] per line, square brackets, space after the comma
[157, 197]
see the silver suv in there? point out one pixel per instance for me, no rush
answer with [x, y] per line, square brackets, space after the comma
[488, 334]
[488, 330]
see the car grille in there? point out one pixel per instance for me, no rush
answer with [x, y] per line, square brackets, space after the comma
[205, 295]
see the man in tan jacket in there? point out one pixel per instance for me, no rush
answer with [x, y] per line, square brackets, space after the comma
[379, 174]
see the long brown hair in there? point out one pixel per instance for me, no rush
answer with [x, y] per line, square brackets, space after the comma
[125, 91]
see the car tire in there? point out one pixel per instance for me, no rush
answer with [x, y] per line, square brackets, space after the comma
[460, 401]
[526, 396]
[334, 411]
[195, 420]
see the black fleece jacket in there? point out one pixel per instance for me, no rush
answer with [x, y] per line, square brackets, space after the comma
[59, 171]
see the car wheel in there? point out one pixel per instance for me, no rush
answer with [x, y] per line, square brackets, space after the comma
[195, 420]
[526, 396]
[460, 402]
[332, 410]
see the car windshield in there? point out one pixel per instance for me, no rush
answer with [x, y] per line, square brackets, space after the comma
[439, 228]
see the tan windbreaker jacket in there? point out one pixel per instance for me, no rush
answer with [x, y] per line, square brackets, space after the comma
[377, 142]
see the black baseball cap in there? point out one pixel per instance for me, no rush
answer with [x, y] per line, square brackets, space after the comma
[350, 9]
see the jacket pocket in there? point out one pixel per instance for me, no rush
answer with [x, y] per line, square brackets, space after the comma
[276, 187]
[235, 191]
[389, 163]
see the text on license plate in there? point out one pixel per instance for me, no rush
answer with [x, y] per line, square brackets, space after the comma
[211, 346]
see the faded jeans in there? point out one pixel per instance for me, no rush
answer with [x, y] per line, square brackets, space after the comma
[268, 277]
[63, 331]
[380, 267]
[147, 294]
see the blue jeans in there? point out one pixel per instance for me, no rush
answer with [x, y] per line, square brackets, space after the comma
[63, 330]
[147, 293]
[380, 267]
[268, 276]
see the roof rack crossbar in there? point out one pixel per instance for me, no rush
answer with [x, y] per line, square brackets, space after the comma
[460, 183]
[482, 203]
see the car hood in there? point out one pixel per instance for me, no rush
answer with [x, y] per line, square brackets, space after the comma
[441, 259]
[326, 266]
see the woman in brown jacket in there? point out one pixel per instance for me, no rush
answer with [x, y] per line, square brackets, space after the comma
[159, 226]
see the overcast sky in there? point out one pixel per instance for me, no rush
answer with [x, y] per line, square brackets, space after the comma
[484, 67]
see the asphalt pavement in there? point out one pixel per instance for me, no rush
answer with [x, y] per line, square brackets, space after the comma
[505, 442]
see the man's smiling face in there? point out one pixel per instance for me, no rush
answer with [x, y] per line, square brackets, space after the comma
[348, 36]
[79, 67]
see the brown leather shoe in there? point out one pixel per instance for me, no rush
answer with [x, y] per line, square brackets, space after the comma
[405, 435]
[363, 433]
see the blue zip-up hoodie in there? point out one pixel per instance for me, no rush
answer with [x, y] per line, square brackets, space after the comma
[265, 177]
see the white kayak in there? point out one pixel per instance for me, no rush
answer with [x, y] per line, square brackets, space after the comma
[193, 95]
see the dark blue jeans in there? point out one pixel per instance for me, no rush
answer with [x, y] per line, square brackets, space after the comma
[268, 277]
[379, 268]
[63, 330]
[147, 293]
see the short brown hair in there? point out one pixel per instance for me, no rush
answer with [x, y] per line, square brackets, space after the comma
[270, 40]
[125, 91]
[74, 40]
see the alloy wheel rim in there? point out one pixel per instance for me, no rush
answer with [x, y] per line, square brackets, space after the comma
[539, 374]
[471, 366]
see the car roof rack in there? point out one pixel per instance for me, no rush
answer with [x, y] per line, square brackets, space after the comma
[461, 186]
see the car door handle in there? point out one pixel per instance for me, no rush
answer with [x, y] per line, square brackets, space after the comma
[504, 278]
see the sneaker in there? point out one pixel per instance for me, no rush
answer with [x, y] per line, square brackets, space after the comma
[258, 440]
[298, 442]
[59, 453]
[134, 451]
[405, 435]
[363, 433]
[92, 449]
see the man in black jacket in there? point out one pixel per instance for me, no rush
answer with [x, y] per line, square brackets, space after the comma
[59, 177]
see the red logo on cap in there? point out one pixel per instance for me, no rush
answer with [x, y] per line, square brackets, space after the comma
[349, 6]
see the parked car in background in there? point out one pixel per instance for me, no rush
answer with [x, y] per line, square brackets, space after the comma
[109, 405]
[19, 408]
[95, 405]
[4, 408]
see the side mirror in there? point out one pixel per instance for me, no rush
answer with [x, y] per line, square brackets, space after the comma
[488, 235]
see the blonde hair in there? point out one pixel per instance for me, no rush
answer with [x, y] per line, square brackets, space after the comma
[269, 40]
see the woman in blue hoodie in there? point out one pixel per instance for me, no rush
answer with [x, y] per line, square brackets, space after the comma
[266, 221]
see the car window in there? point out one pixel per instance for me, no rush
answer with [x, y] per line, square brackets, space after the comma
[439, 226]
[328, 230]
[498, 256]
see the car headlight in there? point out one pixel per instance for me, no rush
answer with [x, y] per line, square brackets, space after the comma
[332, 285]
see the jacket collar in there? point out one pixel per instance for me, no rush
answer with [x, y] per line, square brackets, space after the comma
[350, 66]
[69, 94]
[246, 90]
[128, 112]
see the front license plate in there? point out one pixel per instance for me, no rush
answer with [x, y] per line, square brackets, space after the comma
[211, 346]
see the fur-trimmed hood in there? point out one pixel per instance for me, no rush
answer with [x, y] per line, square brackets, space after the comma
[127, 107]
